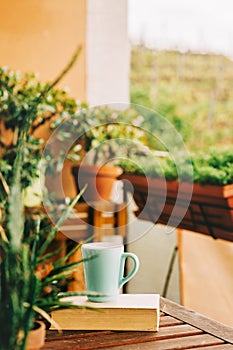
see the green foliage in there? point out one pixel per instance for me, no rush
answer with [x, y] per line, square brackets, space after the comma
[29, 281]
[193, 91]
[21, 94]
[213, 168]
[18, 91]
[105, 133]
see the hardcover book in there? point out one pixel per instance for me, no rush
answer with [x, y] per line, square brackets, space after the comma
[130, 312]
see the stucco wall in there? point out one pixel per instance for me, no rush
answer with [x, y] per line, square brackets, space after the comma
[41, 36]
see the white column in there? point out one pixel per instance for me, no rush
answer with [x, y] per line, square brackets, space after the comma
[108, 52]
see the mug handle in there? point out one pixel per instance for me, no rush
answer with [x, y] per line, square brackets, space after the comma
[125, 279]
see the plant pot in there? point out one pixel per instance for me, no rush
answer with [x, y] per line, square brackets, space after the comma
[210, 210]
[36, 337]
[99, 180]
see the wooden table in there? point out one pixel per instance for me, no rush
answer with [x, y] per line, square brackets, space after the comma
[179, 328]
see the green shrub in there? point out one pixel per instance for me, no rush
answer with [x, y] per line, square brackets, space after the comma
[213, 168]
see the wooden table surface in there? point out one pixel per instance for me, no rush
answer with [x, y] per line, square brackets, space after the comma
[179, 328]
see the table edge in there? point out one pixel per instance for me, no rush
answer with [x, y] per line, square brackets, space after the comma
[197, 320]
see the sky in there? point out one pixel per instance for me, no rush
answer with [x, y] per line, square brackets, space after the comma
[197, 25]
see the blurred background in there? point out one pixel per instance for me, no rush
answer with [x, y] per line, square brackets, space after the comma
[174, 57]
[181, 66]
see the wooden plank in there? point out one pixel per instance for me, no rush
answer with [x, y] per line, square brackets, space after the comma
[199, 227]
[169, 321]
[194, 212]
[209, 212]
[52, 335]
[103, 339]
[197, 341]
[218, 347]
[197, 320]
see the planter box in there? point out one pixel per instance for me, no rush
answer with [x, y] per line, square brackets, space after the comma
[210, 210]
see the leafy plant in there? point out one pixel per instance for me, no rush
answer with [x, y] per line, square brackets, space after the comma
[104, 134]
[18, 92]
[193, 91]
[29, 281]
[214, 167]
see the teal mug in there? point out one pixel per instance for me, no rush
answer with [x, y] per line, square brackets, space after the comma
[104, 264]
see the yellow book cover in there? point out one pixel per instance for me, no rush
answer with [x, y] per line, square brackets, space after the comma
[130, 312]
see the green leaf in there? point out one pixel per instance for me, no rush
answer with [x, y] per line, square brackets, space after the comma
[63, 217]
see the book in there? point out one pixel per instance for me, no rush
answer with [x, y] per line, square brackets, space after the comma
[130, 312]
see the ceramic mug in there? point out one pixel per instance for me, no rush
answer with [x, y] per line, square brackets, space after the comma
[104, 269]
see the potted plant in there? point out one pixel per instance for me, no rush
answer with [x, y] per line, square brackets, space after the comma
[107, 134]
[209, 180]
[19, 89]
[29, 280]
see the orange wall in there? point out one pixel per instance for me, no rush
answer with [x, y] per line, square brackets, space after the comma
[41, 36]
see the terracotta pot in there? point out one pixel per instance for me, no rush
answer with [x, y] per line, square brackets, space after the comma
[99, 180]
[36, 337]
